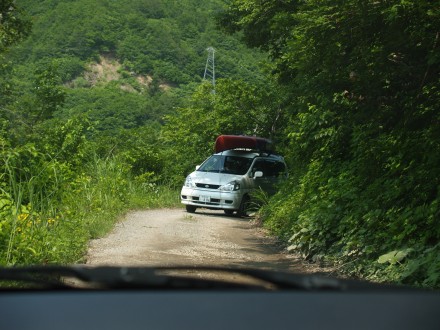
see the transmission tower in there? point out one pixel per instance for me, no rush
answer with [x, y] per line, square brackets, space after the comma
[210, 68]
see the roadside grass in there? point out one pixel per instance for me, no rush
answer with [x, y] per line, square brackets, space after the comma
[53, 226]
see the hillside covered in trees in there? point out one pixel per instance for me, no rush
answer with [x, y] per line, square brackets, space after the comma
[103, 109]
[134, 62]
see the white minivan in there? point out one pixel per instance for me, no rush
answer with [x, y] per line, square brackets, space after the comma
[224, 180]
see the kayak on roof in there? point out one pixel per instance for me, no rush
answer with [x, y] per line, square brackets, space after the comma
[229, 142]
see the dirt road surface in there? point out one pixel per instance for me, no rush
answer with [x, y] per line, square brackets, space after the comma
[170, 237]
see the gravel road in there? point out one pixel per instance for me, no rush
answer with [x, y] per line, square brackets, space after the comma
[170, 237]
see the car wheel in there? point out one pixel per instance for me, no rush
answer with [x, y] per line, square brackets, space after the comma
[244, 205]
[190, 208]
[229, 212]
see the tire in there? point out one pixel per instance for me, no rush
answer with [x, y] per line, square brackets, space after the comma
[190, 208]
[229, 212]
[244, 205]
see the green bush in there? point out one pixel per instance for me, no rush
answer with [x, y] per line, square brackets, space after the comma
[49, 209]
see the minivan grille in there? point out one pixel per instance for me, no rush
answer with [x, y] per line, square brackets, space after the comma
[207, 186]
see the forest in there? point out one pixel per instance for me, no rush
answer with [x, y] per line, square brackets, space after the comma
[104, 109]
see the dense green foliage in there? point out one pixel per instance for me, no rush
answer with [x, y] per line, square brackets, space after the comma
[82, 103]
[56, 190]
[103, 108]
[363, 132]
[164, 39]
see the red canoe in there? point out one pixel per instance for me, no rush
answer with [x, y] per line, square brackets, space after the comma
[227, 142]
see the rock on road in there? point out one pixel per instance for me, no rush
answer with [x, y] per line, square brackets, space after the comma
[170, 237]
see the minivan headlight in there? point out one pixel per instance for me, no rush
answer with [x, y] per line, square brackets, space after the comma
[230, 186]
[189, 182]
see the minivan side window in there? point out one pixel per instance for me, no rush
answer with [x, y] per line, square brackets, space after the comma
[274, 168]
[258, 166]
[269, 167]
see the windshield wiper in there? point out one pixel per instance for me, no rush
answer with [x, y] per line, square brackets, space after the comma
[107, 277]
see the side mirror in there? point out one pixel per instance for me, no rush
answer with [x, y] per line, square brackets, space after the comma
[258, 174]
[197, 167]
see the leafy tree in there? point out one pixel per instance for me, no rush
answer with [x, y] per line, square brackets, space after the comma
[235, 108]
[50, 95]
[14, 25]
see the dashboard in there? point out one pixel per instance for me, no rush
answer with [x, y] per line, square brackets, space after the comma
[218, 309]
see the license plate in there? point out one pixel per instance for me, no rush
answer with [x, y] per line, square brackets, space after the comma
[205, 199]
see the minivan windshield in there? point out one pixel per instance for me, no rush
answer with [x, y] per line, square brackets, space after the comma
[226, 164]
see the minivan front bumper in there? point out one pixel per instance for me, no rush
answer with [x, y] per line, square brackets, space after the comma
[211, 199]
